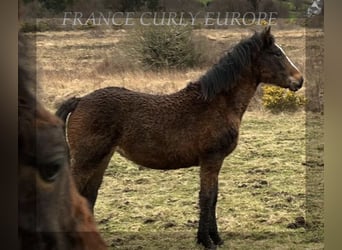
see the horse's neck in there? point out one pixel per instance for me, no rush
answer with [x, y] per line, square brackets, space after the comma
[235, 101]
[239, 97]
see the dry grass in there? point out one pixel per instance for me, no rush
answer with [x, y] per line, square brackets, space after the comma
[78, 62]
[262, 184]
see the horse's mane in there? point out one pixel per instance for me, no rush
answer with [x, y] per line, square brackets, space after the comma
[26, 78]
[26, 65]
[27, 102]
[224, 75]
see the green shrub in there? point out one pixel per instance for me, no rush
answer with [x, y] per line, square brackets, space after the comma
[28, 27]
[35, 27]
[163, 47]
[277, 99]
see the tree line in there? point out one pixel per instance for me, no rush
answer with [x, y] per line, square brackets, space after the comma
[57, 6]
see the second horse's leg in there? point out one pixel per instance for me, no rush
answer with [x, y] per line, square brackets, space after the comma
[207, 231]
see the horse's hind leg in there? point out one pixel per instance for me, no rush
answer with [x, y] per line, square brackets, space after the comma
[207, 232]
[91, 187]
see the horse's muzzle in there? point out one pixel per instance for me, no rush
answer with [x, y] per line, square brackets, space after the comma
[295, 84]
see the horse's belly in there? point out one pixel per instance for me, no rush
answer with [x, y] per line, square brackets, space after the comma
[158, 160]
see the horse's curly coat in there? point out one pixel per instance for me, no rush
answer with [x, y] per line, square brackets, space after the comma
[198, 125]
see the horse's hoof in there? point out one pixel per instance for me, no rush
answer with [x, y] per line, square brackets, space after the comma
[219, 242]
[207, 245]
[211, 247]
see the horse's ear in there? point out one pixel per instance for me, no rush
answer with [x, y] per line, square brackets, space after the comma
[268, 30]
[267, 37]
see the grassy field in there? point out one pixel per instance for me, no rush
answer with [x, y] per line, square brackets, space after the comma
[261, 200]
[271, 186]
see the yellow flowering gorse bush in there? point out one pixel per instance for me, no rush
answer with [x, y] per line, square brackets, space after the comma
[277, 99]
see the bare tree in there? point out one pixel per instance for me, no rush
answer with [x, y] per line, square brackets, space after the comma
[255, 4]
[298, 4]
[231, 5]
[179, 5]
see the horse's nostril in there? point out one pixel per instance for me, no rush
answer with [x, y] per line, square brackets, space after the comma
[301, 81]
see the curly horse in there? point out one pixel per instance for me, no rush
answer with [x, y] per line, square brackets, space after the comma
[196, 126]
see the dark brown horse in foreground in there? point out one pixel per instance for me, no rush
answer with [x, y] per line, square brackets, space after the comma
[199, 125]
[52, 214]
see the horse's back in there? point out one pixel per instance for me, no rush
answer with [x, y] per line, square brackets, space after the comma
[120, 104]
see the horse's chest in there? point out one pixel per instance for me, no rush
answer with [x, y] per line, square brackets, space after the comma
[223, 143]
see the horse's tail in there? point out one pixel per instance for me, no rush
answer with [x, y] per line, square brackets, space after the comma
[67, 107]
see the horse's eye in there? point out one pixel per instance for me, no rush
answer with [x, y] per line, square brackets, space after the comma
[278, 54]
[50, 171]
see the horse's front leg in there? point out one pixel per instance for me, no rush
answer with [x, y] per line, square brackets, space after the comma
[213, 232]
[207, 234]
